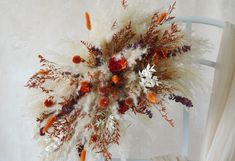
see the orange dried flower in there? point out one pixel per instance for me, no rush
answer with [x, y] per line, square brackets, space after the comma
[48, 103]
[88, 21]
[85, 87]
[76, 59]
[151, 97]
[161, 17]
[48, 124]
[162, 52]
[83, 155]
[43, 72]
[115, 79]
[117, 65]
[104, 102]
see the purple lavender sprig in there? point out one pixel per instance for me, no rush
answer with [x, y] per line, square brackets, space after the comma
[149, 113]
[183, 100]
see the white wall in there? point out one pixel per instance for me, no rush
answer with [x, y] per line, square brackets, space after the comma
[29, 27]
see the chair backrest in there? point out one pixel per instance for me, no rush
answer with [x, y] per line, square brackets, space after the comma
[188, 22]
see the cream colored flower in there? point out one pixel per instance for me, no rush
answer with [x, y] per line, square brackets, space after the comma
[147, 78]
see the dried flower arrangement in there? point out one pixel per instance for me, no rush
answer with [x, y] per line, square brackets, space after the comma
[132, 73]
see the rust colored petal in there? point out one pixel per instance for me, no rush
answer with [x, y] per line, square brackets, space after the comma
[152, 97]
[161, 17]
[85, 87]
[117, 65]
[155, 58]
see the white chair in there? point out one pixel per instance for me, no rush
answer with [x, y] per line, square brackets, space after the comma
[188, 22]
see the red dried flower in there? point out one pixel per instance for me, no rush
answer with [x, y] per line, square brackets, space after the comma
[85, 87]
[117, 65]
[104, 102]
[161, 52]
[102, 90]
[123, 107]
[129, 101]
[93, 138]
